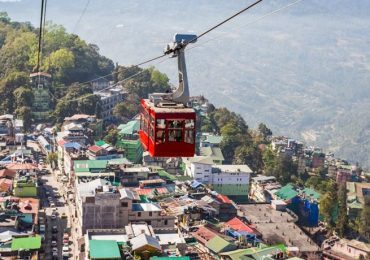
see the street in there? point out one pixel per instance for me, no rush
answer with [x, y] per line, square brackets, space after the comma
[52, 189]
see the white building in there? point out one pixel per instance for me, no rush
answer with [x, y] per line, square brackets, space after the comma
[229, 180]
[109, 99]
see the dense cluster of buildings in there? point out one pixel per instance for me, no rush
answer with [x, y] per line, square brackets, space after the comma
[125, 204]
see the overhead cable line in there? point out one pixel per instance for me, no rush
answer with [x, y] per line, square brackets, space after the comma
[200, 35]
[247, 24]
[228, 19]
[40, 36]
[123, 80]
[80, 18]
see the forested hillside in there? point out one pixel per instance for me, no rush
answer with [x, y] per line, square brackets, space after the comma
[72, 62]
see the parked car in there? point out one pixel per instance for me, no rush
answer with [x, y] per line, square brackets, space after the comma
[54, 250]
[52, 204]
[64, 215]
[54, 229]
[53, 216]
[42, 228]
[65, 248]
[54, 243]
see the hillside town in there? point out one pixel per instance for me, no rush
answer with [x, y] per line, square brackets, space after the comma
[71, 191]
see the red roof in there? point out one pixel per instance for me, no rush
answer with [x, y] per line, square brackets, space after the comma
[238, 225]
[95, 148]
[7, 173]
[204, 234]
[62, 142]
[224, 199]
[162, 190]
[22, 166]
[5, 185]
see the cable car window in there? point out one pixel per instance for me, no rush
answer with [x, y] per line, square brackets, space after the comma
[175, 124]
[145, 126]
[175, 135]
[189, 136]
[151, 132]
[189, 123]
[175, 130]
[151, 120]
[161, 123]
[160, 136]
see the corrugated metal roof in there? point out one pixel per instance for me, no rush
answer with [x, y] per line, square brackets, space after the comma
[26, 243]
[104, 249]
[217, 244]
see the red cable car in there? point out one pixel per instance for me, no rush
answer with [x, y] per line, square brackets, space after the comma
[167, 123]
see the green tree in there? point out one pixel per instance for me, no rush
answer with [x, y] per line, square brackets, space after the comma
[160, 80]
[52, 159]
[24, 113]
[322, 172]
[364, 225]
[342, 220]
[269, 159]
[59, 62]
[7, 87]
[121, 112]
[264, 131]
[285, 168]
[328, 204]
[250, 155]
[112, 136]
[23, 97]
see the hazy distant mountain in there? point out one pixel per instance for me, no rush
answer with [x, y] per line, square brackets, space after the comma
[304, 71]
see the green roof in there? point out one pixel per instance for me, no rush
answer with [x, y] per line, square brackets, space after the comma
[264, 253]
[236, 254]
[26, 243]
[287, 192]
[170, 258]
[213, 139]
[87, 165]
[312, 192]
[217, 244]
[166, 175]
[100, 143]
[130, 128]
[104, 249]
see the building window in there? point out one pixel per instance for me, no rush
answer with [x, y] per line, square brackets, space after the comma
[150, 214]
[165, 222]
[139, 214]
[124, 204]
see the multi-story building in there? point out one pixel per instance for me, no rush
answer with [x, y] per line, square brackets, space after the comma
[92, 126]
[230, 180]
[129, 141]
[318, 159]
[109, 98]
[356, 193]
[101, 206]
[40, 83]
[263, 187]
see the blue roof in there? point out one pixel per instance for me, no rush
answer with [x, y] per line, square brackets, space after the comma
[195, 184]
[74, 145]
